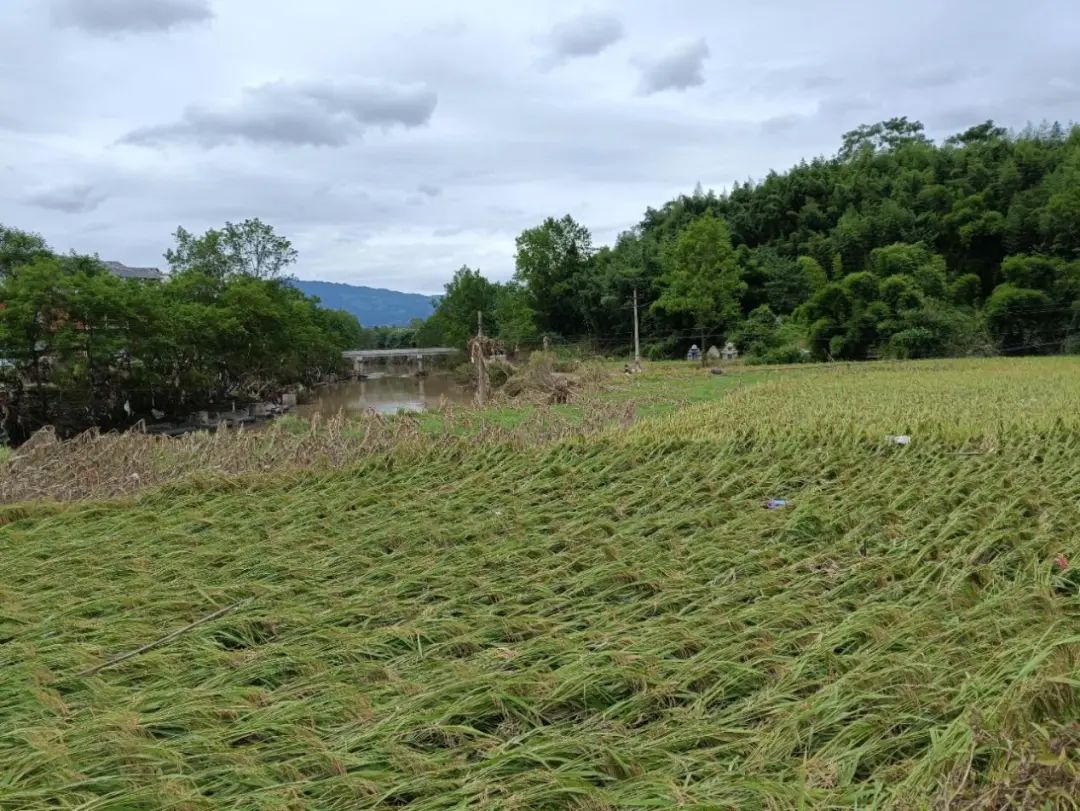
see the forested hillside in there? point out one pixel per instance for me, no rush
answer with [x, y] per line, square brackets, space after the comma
[895, 246]
[372, 306]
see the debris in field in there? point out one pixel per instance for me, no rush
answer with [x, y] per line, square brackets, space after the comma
[1062, 562]
[716, 370]
[776, 503]
[168, 638]
[901, 439]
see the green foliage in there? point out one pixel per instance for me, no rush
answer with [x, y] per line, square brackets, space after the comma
[867, 140]
[901, 292]
[984, 208]
[507, 309]
[19, 248]
[702, 282]
[515, 317]
[786, 284]
[249, 248]
[939, 330]
[551, 261]
[813, 273]
[418, 333]
[86, 348]
[1020, 319]
[455, 318]
[964, 291]
[757, 333]
[1034, 272]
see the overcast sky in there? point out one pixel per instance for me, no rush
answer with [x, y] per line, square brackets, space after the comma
[394, 142]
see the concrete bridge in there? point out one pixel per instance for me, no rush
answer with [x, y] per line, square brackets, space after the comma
[359, 357]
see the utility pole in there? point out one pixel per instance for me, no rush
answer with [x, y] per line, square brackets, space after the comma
[481, 370]
[637, 342]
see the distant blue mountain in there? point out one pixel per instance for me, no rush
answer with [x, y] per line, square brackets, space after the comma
[374, 306]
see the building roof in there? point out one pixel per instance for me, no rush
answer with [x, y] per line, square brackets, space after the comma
[124, 272]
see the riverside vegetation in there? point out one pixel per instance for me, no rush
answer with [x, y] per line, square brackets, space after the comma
[894, 247]
[80, 347]
[592, 619]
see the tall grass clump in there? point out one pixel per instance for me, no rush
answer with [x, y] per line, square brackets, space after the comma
[610, 620]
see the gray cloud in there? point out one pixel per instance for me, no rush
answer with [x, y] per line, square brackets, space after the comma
[839, 107]
[819, 82]
[678, 69]
[781, 123]
[130, 16]
[585, 35]
[938, 77]
[297, 114]
[959, 118]
[508, 144]
[429, 190]
[68, 199]
[1057, 91]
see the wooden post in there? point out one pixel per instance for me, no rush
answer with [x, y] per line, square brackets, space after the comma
[637, 342]
[481, 369]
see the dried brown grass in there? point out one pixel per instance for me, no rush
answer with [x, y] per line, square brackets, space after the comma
[95, 465]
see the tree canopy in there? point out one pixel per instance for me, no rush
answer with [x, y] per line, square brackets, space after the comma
[81, 347]
[896, 246]
[250, 248]
[703, 281]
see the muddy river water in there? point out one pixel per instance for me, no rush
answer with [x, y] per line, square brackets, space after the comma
[386, 395]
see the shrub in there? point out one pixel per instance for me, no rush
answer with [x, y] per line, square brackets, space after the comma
[663, 349]
[788, 353]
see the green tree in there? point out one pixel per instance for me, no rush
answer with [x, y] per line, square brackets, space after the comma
[515, 317]
[1017, 319]
[550, 262]
[249, 248]
[703, 283]
[757, 334]
[454, 319]
[32, 316]
[82, 347]
[884, 136]
[965, 290]
[19, 248]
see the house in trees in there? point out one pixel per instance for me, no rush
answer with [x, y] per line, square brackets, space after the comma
[122, 271]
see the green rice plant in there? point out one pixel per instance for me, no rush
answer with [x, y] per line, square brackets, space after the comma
[599, 618]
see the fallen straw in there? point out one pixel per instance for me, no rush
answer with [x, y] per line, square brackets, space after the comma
[169, 638]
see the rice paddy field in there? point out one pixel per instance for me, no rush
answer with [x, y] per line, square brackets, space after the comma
[603, 619]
